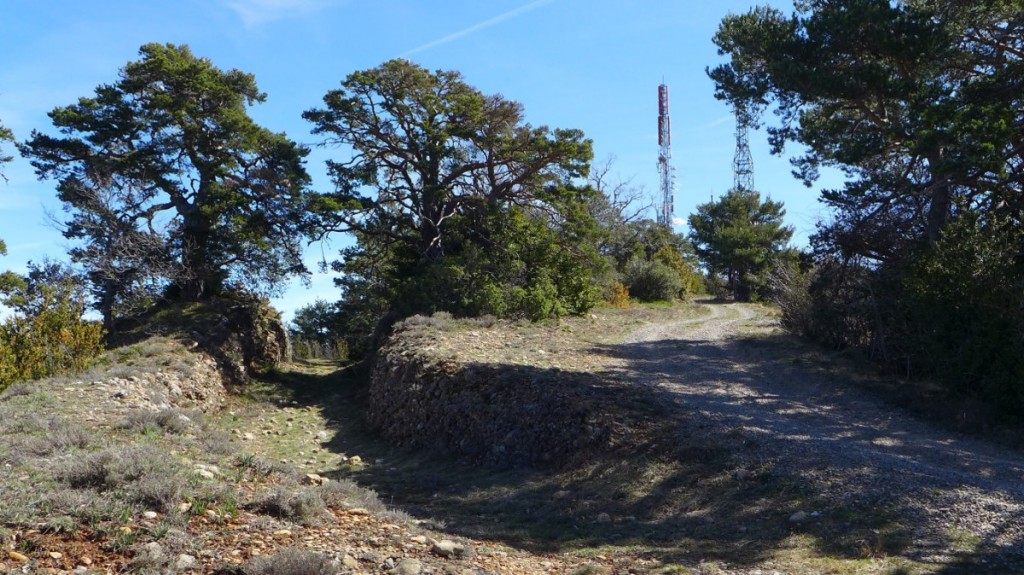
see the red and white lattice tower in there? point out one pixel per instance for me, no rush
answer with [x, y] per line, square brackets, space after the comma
[666, 209]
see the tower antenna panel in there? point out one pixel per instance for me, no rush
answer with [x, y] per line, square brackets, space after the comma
[665, 210]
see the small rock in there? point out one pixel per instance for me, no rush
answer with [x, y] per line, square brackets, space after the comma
[358, 511]
[55, 555]
[248, 437]
[447, 549]
[152, 552]
[350, 562]
[408, 567]
[149, 515]
[322, 436]
[184, 562]
[604, 518]
[798, 517]
[282, 533]
[355, 460]
[205, 474]
[85, 560]
[312, 479]
[418, 539]
[184, 507]
[15, 556]
[211, 514]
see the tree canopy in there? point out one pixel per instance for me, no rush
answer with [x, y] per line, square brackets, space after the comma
[166, 176]
[457, 204]
[917, 101]
[5, 136]
[920, 103]
[427, 147]
[738, 238]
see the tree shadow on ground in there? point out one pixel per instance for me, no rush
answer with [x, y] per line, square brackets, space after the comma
[686, 487]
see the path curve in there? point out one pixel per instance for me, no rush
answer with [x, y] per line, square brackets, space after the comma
[850, 445]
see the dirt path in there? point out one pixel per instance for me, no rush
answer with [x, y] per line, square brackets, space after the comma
[854, 449]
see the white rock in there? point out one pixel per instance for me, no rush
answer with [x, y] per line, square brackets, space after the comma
[408, 567]
[184, 562]
[446, 548]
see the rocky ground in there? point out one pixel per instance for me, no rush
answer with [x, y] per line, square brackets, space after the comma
[731, 449]
[145, 465]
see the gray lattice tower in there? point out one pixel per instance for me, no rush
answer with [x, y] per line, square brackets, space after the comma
[742, 163]
[666, 209]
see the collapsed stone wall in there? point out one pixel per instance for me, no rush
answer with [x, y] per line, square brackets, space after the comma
[183, 379]
[502, 414]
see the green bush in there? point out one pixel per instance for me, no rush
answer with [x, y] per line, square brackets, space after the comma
[953, 311]
[52, 340]
[689, 278]
[652, 281]
[964, 301]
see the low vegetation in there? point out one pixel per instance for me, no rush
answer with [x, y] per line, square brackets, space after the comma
[91, 482]
[46, 334]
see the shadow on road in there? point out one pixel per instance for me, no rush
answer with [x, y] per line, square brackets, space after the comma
[693, 481]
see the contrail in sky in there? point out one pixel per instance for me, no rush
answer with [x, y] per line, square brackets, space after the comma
[477, 27]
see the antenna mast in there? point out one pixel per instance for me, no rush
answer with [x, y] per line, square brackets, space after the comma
[742, 163]
[664, 155]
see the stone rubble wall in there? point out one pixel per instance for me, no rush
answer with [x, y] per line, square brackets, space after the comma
[176, 377]
[508, 415]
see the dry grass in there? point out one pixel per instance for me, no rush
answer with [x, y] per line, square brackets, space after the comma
[140, 474]
[299, 504]
[291, 562]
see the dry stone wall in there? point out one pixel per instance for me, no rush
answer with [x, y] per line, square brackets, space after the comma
[497, 413]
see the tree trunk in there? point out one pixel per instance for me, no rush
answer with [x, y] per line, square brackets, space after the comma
[198, 280]
[938, 212]
[106, 305]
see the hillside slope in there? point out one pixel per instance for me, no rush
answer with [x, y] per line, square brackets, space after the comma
[703, 440]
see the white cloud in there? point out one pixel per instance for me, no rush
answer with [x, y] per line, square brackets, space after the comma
[257, 12]
[477, 27]
[714, 123]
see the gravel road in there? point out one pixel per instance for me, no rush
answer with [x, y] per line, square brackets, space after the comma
[851, 447]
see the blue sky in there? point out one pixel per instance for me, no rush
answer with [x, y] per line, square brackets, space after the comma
[588, 64]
